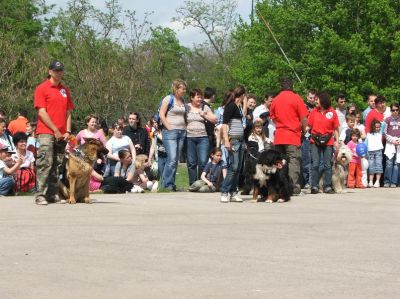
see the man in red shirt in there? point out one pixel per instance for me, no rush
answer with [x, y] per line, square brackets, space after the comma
[53, 104]
[289, 113]
[19, 124]
[376, 113]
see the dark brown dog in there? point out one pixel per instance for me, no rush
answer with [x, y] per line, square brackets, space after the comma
[78, 169]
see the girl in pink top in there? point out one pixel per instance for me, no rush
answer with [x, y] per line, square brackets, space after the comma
[355, 170]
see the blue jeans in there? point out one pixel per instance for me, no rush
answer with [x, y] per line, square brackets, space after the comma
[197, 156]
[234, 159]
[321, 154]
[391, 172]
[6, 184]
[161, 165]
[173, 141]
[306, 160]
[375, 162]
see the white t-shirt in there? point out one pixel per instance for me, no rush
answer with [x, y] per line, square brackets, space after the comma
[117, 144]
[2, 165]
[374, 142]
[29, 159]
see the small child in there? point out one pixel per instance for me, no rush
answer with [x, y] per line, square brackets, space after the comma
[355, 171]
[140, 178]
[375, 146]
[257, 135]
[345, 136]
[6, 180]
[211, 176]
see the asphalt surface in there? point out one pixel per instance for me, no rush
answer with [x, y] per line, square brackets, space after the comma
[188, 245]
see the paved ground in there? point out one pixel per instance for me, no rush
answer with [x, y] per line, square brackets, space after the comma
[186, 245]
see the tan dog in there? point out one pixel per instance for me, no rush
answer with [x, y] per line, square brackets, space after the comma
[78, 169]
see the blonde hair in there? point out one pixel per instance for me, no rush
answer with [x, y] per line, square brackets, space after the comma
[258, 123]
[176, 84]
[140, 160]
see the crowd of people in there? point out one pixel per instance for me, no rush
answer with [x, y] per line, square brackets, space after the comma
[221, 145]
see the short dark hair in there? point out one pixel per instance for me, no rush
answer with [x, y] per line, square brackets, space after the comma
[23, 112]
[268, 95]
[324, 99]
[286, 84]
[394, 105]
[340, 96]
[194, 92]
[252, 96]
[209, 92]
[139, 119]
[19, 136]
[380, 99]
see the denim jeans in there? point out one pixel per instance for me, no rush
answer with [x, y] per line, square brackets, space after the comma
[197, 156]
[161, 165]
[234, 159]
[321, 154]
[306, 160]
[173, 141]
[375, 162]
[391, 172]
[6, 184]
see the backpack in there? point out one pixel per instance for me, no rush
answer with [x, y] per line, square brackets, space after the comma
[209, 126]
[157, 114]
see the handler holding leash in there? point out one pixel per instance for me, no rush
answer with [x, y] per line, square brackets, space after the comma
[53, 104]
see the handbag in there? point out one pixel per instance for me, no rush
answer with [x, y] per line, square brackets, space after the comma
[321, 140]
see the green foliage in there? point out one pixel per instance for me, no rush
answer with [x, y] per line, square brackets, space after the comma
[338, 46]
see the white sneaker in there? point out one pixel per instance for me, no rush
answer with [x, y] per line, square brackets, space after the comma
[224, 197]
[235, 197]
[377, 185]
[155, 187]
[370, 184]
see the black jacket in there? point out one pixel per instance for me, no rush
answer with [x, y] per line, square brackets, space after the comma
[138, 136]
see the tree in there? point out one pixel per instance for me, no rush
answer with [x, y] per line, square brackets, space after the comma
[338, 46]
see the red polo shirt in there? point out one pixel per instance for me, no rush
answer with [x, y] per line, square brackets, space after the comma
[57, 101]
[323, 123]
[373, 114]
[287, 111]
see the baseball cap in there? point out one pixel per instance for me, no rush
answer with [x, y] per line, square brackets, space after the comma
[56, 65]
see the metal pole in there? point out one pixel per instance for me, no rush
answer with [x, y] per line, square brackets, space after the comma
[277, 42]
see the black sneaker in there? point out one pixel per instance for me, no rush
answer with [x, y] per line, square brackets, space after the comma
[329, 191]
[314, 190]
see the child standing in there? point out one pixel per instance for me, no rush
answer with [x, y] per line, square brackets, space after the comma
[140, 179]
[211, 176]
[375, 146]
[355, 171]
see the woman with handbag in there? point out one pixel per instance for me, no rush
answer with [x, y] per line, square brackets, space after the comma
[323, 124]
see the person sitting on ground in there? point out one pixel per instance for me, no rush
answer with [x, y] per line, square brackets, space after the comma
[117, 143]
[6, 179]
[140, 178]
[26, 174]
[212, 174]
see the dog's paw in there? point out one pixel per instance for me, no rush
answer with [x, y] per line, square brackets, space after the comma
[88, 200]
[280, 200]
[72, 201]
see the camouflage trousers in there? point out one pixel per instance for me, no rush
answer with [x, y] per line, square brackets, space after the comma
[49, 159]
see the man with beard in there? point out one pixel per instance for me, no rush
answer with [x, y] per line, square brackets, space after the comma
[137, 134]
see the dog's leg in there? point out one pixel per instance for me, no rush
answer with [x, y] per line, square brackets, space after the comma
[256, 191]
[87, 198]
[72, 182]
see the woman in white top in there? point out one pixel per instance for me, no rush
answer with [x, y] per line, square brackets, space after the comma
[117, 143]
[198, 144]
[174, 120]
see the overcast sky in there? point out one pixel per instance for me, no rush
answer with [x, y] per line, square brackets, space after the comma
[163, 10]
